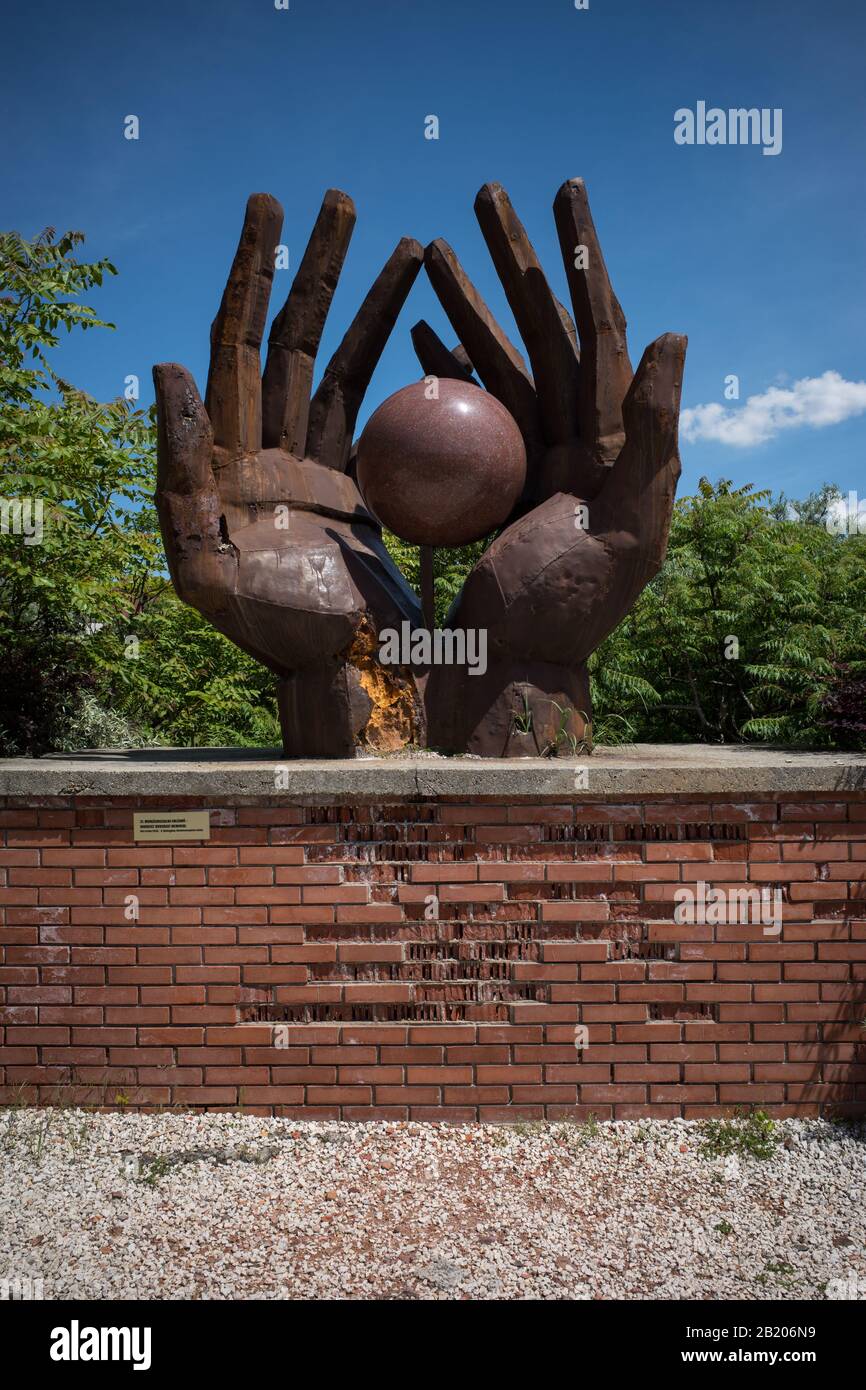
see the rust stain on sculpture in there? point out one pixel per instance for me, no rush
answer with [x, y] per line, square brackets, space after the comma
[396, 716]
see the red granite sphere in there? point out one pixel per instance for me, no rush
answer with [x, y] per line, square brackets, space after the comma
[441, 471]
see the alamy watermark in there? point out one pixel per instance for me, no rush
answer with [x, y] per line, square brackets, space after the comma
[852, 1287]
[720, 906]
[847, 517]
[737, 126]
[441, 647]
[22, 516]
[21, 1288]
[77, 1343]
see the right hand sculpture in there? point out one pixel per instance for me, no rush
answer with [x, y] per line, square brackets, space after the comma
[592, 527]
[265, 532]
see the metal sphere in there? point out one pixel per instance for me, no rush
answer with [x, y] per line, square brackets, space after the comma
[443, 468]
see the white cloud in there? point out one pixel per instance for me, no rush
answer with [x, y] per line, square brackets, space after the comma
[815, 401]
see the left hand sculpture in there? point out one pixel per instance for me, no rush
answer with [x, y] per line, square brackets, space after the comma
[265, 532]
[603, 465]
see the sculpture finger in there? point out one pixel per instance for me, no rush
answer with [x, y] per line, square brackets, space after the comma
[233, 396]
[605, 370]
[462, 358]
[435, 358]
[199, 555]
[334, 408]
[541, 319]
[638, 498]
[495, 359]
[297, 329]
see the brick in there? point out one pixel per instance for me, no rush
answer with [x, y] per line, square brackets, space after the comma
[355, 951]
[575, 911]
[545, 815]
[499, 872]
[245, 875]
[508, 1075]
[373, 1075]
[507, 834]
[207, 1095]
[595, 871]
[268, 854]
[369, 914]
[340, 1095]
[404, 1095]
[657, 1072]
[583, 951]
[814, 810]
[471, 892]
[716, 1072]
[782, 873]
[309, 874]
[337, 893]
[439, 1076]
[473, 1096]
[679, 851]
[454, 873]
[469, 815]
[681, 1095]
[619, 1094]
[647, 873]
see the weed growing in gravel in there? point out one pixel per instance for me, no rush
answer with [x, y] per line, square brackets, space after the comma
[754, 1135]
[525, 1128]
[70, 1094]
[851, 1125]
[60, 1118]
[152, 1169]
[64, 1118]
[571, 1132]
[779, 1272]
[723, 1227]
[590, 1129]
[10, 1131]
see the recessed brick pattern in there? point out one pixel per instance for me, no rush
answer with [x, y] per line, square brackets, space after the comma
[437, 959]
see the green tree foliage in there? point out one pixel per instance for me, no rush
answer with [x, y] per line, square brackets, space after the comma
[754, 629]
[84, 464]
[189, 684]
[96, 647]
[450, 568]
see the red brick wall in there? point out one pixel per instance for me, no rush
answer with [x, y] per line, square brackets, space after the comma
[549, 916]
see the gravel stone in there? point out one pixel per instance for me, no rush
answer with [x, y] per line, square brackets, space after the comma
[232, 1206]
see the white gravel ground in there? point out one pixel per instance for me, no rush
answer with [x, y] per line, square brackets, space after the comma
[225, 1206]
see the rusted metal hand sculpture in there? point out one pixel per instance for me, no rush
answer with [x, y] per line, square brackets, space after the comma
[593, 523]
[265, 531]
[268, 536]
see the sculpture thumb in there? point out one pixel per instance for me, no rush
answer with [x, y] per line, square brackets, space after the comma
[184, 433]
[200, 560]
[636, 504]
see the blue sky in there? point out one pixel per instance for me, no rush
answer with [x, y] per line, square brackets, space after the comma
[760, 260]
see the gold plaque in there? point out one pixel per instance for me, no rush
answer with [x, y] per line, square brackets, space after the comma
[171, 825]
